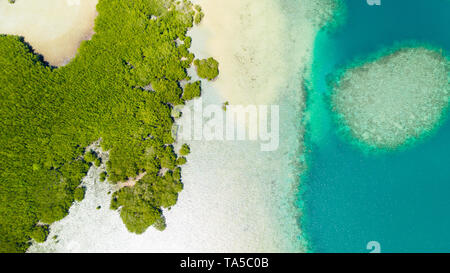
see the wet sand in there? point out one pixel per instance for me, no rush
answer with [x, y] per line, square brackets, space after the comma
[54, 28]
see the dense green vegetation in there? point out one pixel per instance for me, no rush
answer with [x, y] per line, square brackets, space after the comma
[93, 158]
[198, 15]
[192, 90]
[141, 205]
[160, 224]
[185, 150]
[103, 176]
[40, 233]
[207, 68]
[181, 161]
[79, 193]
[48, 115]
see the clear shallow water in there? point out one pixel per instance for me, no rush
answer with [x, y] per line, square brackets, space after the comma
[400, 199]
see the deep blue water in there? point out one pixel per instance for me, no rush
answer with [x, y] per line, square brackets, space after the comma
[400, 199]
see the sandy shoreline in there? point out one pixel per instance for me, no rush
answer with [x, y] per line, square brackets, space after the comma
[54, 28]
[235, 198]
[263, 49]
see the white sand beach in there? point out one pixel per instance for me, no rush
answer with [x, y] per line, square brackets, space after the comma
[54, 28]
[235, 198]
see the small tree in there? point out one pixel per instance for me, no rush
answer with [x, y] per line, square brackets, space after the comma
[185, 150]
[97, 162]
[198, 17]
[103, 176]
[40, 233]
[181, 161]
[79, 193]
[207, 68]
[224, 105]
[192, 90]
[90, 156]
[160, 224]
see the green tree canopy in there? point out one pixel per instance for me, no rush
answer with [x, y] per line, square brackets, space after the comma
[207, 68]
[40, 233]
[185, 150]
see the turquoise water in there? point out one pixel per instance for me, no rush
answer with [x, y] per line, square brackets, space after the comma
[400, 199]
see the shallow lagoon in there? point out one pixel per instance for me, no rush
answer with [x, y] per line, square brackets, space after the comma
[399, 199]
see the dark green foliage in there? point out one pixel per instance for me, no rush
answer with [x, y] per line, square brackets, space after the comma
[48, 115]
[40, 233]
[181, 161]
[160, 224]
[198, 17]
[103, 176]
[90, 156]
[79, 193]
[192, 90]
[185, 150]
[97, 162]
[141, 204]
[93, 157]
[207, 68]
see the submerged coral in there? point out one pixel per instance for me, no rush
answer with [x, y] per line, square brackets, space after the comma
[395, 99]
